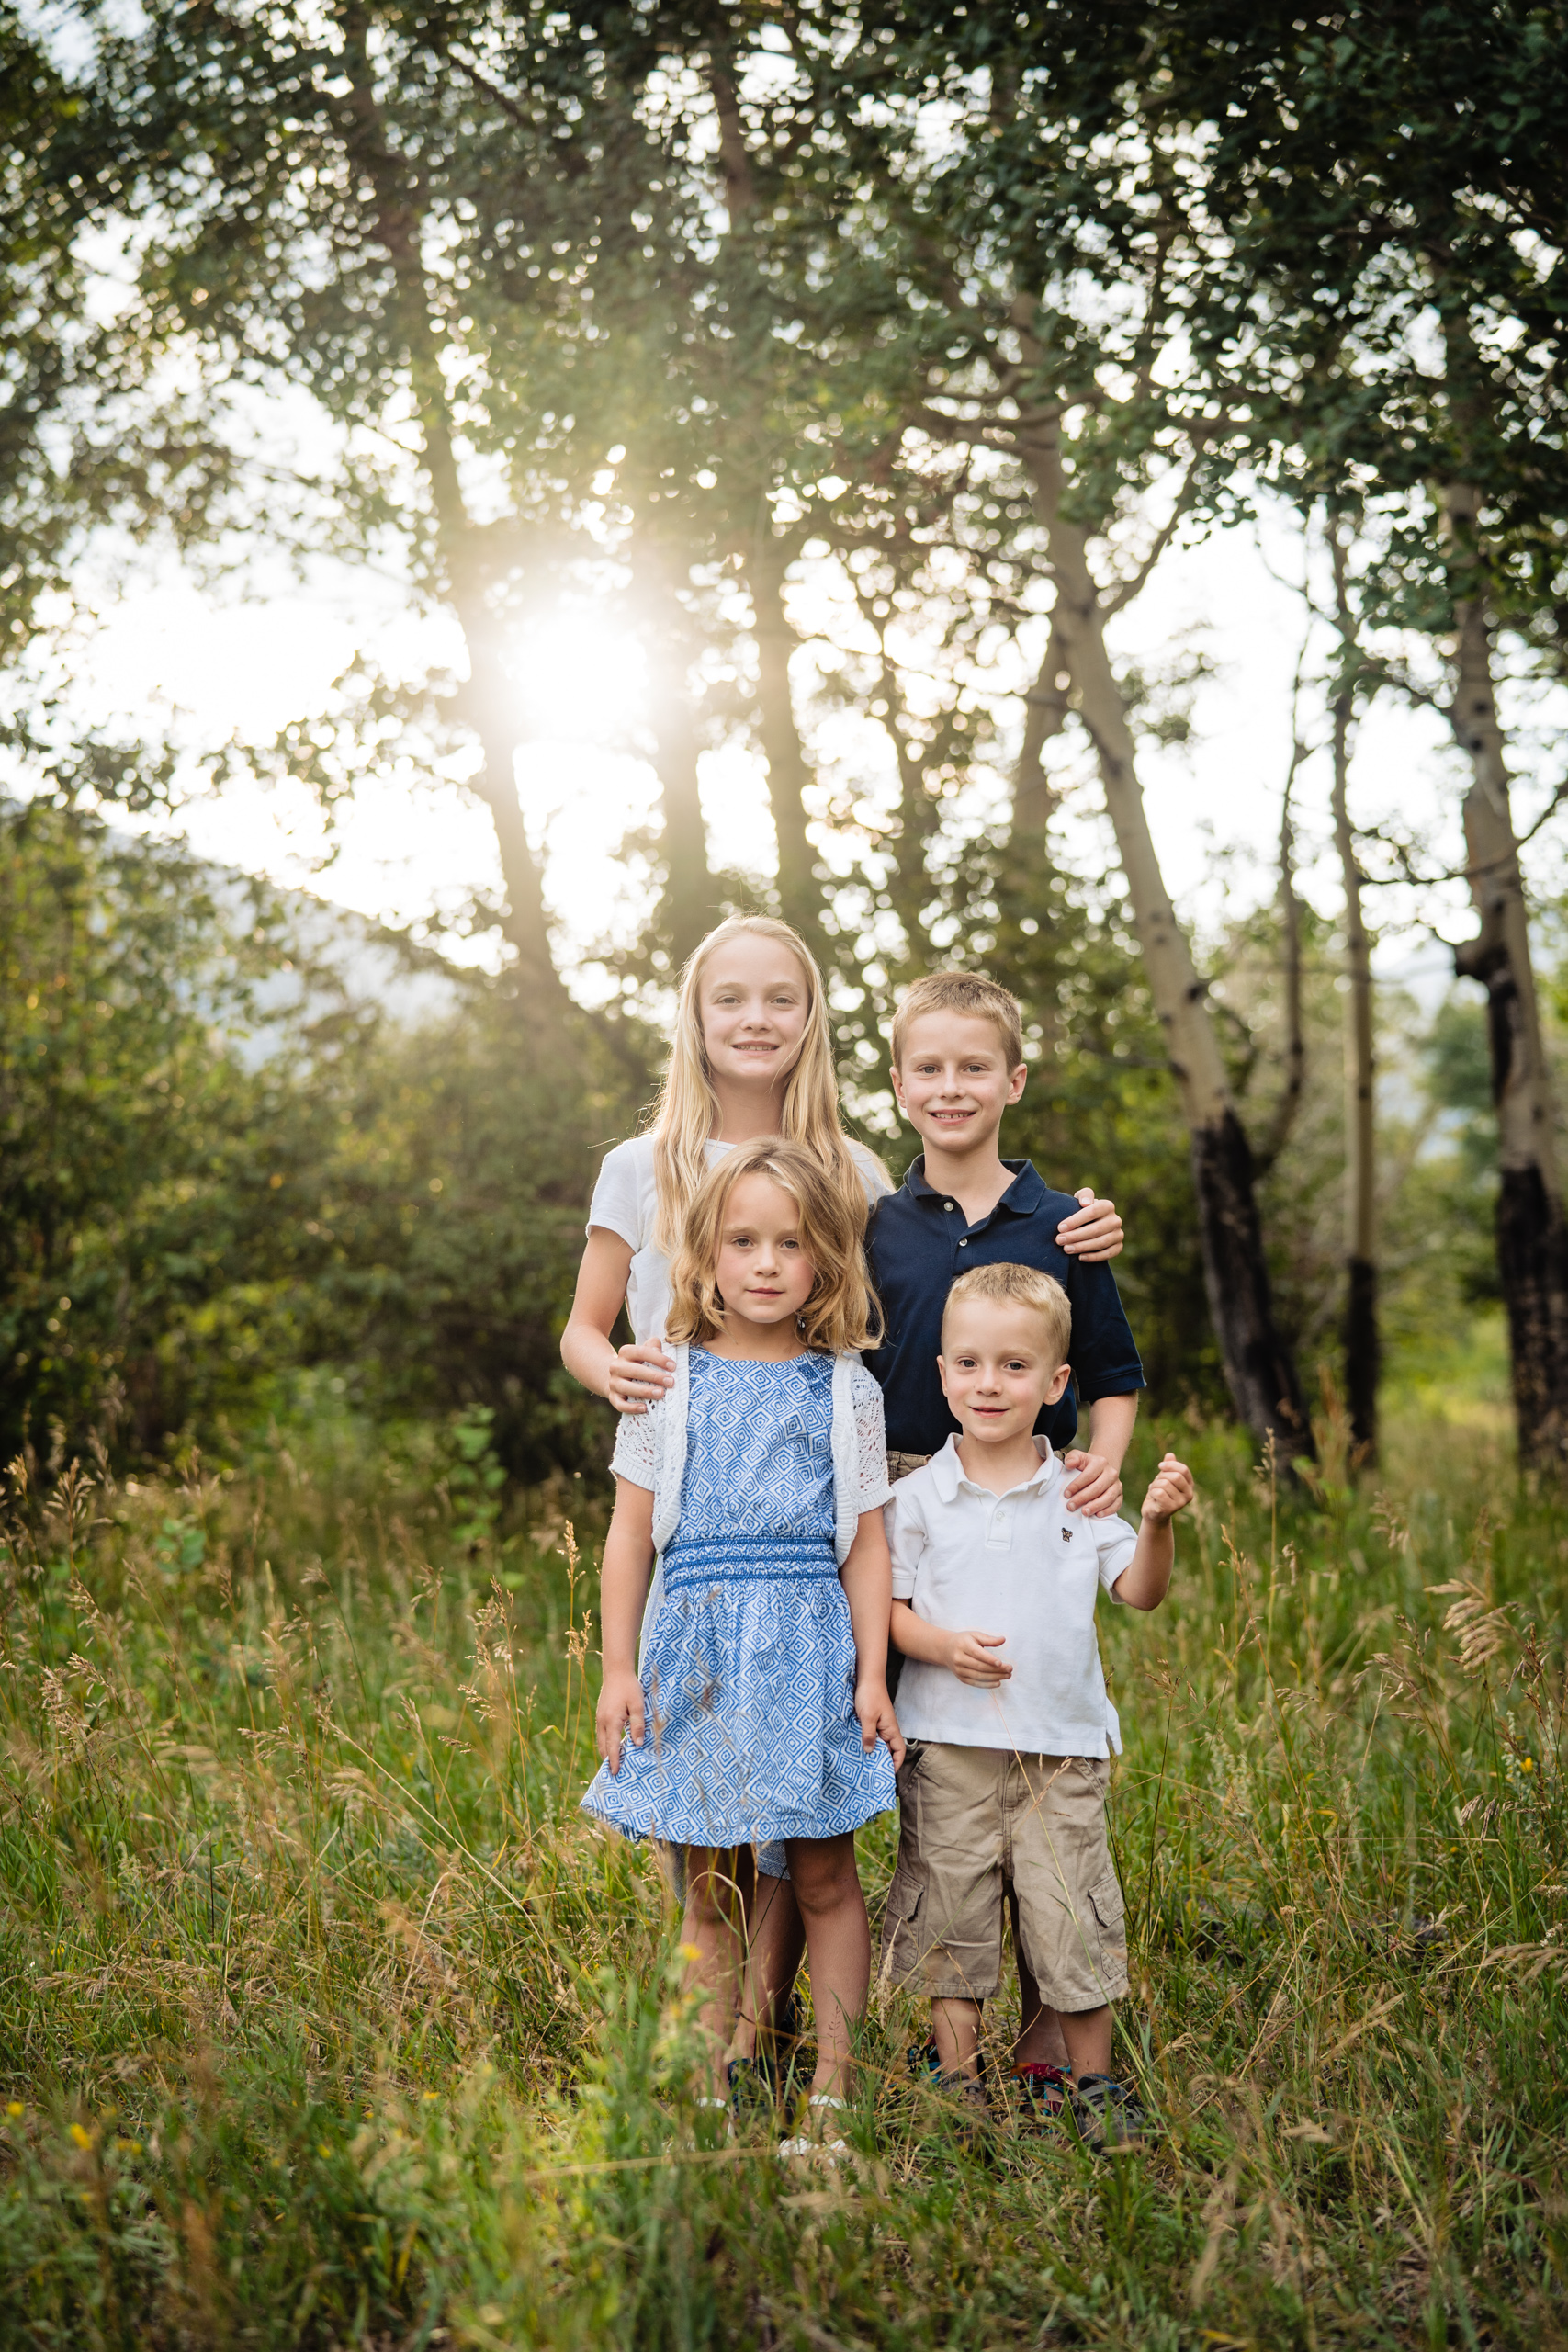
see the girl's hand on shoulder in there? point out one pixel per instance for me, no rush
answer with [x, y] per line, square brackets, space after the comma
[620, 1714]
[969, 1657]
[1093, 1232]
[1096, 1488]
[1171, 1490]
[877, 1720]
[639, 1376]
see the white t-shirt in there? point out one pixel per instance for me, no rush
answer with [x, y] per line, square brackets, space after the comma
[625, 1200]
[1018, 1564]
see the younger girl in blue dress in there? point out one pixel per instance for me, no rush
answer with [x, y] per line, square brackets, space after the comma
[761, 1712]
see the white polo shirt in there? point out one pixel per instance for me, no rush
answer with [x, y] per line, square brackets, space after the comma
[1021, 1564]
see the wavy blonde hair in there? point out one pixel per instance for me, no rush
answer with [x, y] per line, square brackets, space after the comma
[840, 1312]
[687, 1110]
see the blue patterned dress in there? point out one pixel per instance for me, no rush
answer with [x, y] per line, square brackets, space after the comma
[748, 1670]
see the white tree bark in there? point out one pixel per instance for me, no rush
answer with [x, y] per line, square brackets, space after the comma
[1532, 1242]
[1260, 1366]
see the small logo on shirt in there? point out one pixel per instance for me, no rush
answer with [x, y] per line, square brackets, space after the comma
[1067, 1534]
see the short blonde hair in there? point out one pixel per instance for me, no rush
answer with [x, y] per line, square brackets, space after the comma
[840, 1311]
[969, 993]
[1017, 1287]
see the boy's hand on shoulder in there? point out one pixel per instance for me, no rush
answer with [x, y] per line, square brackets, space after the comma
[1093, 1232]
[968, 1657]
[1171, 1490]
[1096, 1488]
[620, 1711]
[873, 1710]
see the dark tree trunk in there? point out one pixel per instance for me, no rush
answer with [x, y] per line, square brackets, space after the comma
[1532, 1263]
[1363, 1355]
[1259, 1365]
[1363, 1347]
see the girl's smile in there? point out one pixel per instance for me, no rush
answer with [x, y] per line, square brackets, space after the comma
[755, 1002]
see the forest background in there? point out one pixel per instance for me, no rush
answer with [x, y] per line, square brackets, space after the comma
[857, 364]
[853, 372]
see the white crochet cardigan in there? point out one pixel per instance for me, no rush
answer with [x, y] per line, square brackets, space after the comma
[650, 1450]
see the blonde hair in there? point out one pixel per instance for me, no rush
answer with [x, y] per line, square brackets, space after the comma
[687, 1109]
[840, 1311]
[963, 992]
[1017, 1287]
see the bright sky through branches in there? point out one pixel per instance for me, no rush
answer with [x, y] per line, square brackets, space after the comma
[409, 851]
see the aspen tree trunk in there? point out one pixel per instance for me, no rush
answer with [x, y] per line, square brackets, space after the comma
[1288, 1109]
[788, 769]
[1259, 1365]
[1362, 1338]
[1044, 716]
[488, 702]
[765, 563]
[1532, 1242]
[691, 897]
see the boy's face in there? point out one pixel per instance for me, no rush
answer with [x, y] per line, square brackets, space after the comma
[955, 1082]
[998, 1368]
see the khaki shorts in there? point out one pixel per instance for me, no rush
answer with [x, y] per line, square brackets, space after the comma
[980, 1828]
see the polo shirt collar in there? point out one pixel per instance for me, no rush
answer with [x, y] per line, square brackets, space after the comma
[1022, 1196]
[947, 1470]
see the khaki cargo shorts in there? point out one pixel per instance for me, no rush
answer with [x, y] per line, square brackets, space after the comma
[981, 1828]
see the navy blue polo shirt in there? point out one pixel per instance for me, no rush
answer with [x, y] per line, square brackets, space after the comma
[921, 1242]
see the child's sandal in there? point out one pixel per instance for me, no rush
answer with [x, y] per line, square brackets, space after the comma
[804, 2145]
[1109, 2116]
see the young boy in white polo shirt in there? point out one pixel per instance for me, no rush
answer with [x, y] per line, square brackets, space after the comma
[1004, 1706]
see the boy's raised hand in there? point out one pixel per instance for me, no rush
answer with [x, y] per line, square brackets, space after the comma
[1170, 1490]
[1096, 1487]
[620, 1710]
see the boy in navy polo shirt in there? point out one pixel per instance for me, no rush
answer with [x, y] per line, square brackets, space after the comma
[957, 1064]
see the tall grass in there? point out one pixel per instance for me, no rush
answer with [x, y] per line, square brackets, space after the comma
[328, 2020]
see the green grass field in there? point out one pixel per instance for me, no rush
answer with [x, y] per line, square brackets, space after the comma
[328, 2020]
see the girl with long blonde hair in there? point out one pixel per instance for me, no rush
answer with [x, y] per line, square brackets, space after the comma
[752, 1055]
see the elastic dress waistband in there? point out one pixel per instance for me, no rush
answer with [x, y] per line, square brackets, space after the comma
[779, 1560]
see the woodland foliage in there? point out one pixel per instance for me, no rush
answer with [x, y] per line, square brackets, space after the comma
[233, 1182]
